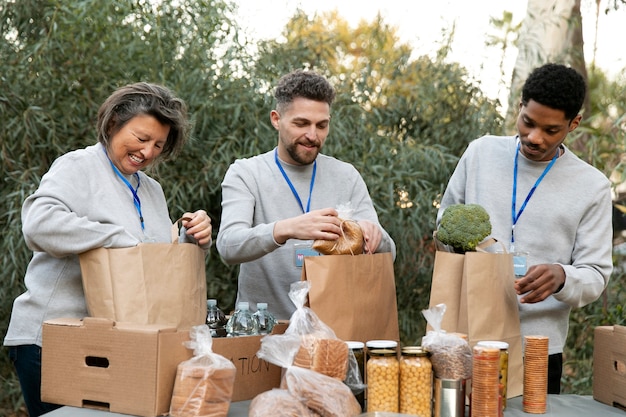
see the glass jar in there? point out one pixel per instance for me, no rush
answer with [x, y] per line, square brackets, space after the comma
[416, 382]
[358, 349]
[382, 370]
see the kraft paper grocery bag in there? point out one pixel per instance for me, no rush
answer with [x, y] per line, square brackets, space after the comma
[477, 289]
[151, 283]
[355, 295]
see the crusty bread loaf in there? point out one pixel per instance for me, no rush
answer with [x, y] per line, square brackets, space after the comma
[202, 391]
[350, 241]
[326, 356]
[278, 403]
[327, 396]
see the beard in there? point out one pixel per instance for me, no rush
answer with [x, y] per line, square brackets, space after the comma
[303, 156]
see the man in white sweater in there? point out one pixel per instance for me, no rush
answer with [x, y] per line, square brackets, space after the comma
[275, 204]
[546, 202]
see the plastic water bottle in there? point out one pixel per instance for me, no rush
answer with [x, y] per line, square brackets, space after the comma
[215, 319]
[242, 322]
[265, 318]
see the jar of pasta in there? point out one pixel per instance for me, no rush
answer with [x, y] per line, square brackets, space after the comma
[416, 382]
[382, 370]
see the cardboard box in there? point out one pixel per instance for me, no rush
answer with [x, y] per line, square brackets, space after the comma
[609, 365]
[131, 368]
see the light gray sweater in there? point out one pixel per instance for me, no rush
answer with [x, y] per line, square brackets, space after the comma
[255, 196]
[80, 205]
[567, 221]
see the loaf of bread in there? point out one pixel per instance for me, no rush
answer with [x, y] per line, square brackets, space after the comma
[201, 391]
[326, 396]
[350, 241]
[278, 403]
[326, 356]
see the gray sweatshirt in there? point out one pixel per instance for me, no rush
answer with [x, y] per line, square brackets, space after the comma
[567, 221]
[255, 196]
[80, 205]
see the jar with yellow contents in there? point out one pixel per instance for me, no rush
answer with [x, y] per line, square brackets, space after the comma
[383, 371]
[416, 382]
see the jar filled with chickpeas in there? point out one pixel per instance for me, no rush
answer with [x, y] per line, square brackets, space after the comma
[416, 382]
[383, 371]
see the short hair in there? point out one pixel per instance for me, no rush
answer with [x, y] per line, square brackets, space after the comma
[144, 99]
[304, 84]
[556, 86]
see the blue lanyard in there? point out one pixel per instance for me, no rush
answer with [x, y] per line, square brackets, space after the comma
[293, 189]
[515, 217]
[133, 191]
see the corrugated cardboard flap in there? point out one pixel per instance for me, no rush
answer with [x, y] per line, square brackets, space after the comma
[609, 365]
[118, 367]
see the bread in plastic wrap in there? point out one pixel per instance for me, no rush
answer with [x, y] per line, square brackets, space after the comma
[278, 403]
[327, 396]
[326, 356]
[204, 384]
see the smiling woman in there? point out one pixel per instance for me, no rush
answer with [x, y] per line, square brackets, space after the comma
[91, 198]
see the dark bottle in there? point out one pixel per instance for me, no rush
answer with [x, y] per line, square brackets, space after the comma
[215, 319]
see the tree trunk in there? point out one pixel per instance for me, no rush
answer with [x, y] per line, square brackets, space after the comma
[550, 32]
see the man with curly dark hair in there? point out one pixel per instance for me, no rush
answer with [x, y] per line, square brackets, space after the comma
[546, 203]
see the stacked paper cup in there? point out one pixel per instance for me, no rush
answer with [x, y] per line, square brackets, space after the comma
[486, 382]
[535, 374]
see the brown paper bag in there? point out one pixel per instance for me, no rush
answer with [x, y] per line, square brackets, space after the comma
[151, 283]
[477, 289]
[354, 295]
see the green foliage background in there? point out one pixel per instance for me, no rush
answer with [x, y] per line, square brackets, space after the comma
[402, 122]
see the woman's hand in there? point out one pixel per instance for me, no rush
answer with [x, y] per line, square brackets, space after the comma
[198, 226]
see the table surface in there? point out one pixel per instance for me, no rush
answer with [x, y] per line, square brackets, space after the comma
[558, 406]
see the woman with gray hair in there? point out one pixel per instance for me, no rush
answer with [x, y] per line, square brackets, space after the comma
[96, 197]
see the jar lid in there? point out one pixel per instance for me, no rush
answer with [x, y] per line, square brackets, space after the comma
[414, 351]
[493, 344]
[382, 352]
[355, 345]
[381, 344]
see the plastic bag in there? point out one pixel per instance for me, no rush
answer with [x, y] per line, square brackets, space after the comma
[278, 403]
[204, 384]
[451, 355]
[326, 395]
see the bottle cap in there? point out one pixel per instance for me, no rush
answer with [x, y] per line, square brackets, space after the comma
[355, 345]
[243, 305]
[211, 302]
[261, 305]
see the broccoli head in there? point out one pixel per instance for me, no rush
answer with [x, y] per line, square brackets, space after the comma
[464, 226]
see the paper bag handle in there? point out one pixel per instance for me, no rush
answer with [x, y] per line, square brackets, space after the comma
[482, 247]
[176, 228]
